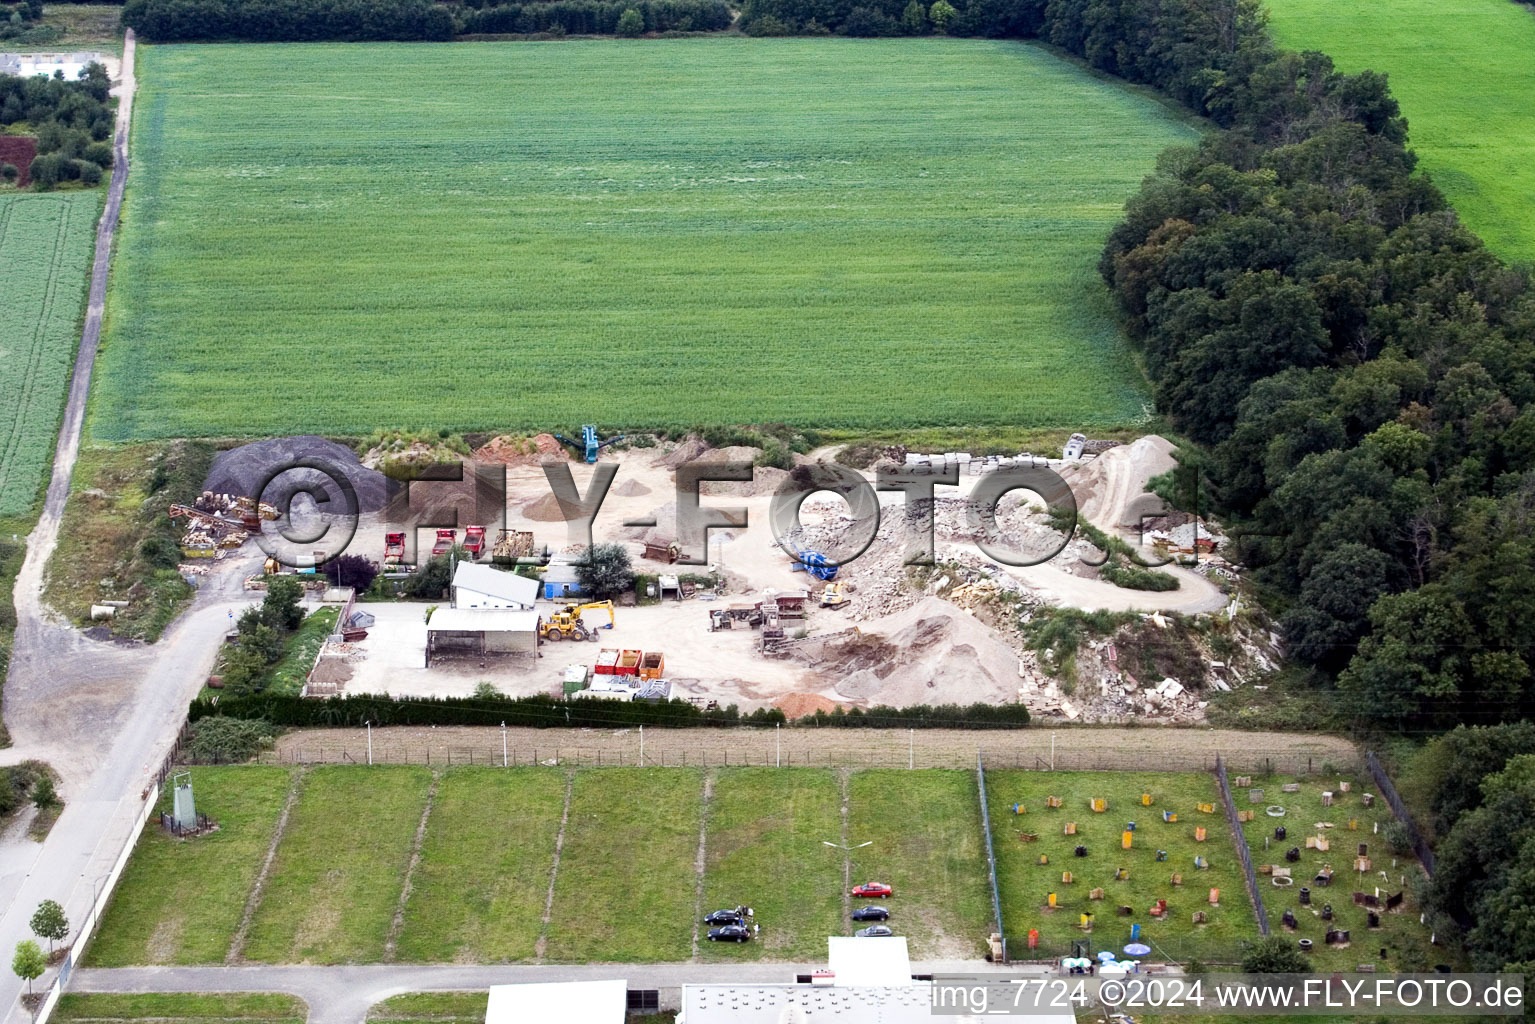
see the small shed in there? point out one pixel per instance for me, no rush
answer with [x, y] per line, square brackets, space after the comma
[560, 581]
[481, 631]
[480, 586]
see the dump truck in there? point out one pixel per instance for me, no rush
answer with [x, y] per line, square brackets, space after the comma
[652, 665]
[474, 541]
[445, 542]
[394, 548]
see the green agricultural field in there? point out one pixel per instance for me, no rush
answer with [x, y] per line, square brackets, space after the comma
[927, 842]
[889, 232]
[46, 244]
[180, 901]
[1026, 884]
[340, 867]
[1400, 943]
[1464, 76]
[478, 893]
[765, 833]
[627, 881]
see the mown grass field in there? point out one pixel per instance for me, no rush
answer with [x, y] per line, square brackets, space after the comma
[340, 867]
[184, 1007]
[765, 834]
[46, 243]
[627, 885]
[1026, 884]
[1400, 943]
[627, 881]
[890, 233]
[1463, 75]
[147, 922]
[478, 894]
[925, 829]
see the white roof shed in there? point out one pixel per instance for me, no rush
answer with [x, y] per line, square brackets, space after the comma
[561, 1002]
[480, 586]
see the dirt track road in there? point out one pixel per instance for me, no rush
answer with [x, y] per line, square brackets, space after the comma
[1149, 748]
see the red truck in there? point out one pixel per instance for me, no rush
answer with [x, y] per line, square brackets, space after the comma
[394, 548]
[474, 541]
[445, 540]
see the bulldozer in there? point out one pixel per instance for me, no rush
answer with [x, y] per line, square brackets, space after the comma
[565, 623]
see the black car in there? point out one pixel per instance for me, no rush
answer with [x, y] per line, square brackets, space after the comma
[874, 931]
[871, 914]
[735, 916]
[730, 933]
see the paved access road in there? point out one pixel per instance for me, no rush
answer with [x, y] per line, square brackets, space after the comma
[342, 995]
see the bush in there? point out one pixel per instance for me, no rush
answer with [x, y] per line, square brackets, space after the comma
[1398, 839]
[605, 571]
[351, 571]
[100, 154]
[9, 173]
[280, 608]
[160, 551]
[1274, 955]
[169, 21]
[941, 14]
[85, 172]
[43, 794]
[767, 25]
[914, 19]
[867, 23]
[229, 740]
[631, 24]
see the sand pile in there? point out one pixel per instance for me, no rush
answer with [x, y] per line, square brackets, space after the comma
[687, 451]
[544, 510]
[246, 469]
[1111, 489]
[630, 488]
[932, 653]
[798, 705]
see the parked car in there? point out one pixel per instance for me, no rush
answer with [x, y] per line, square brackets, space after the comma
[738, 915]
[874, 931]
[730, 933]
[871, 914]
[873, 890]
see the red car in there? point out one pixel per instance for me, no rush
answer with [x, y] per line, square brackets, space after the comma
[873, 890]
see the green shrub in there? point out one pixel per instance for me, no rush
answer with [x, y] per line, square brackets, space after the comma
[767, 25]
[229, 740]
[631, 24]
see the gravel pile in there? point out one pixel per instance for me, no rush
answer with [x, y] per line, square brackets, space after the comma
[244, 470]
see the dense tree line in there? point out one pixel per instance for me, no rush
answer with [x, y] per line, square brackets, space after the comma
[171, 21]
[1476, 787]
[71, 120]
[1359, 366]
[595, 17]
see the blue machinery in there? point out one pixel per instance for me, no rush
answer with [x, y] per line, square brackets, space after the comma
[814, 563]
[589, 444]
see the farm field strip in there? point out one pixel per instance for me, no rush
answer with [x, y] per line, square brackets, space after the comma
[45, 253]
[1026, 884]
[866, 220]
[1464, 82]
[340, 867]
[148, 922]
[478, 893]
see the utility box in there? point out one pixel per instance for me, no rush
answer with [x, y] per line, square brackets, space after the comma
[183, 809]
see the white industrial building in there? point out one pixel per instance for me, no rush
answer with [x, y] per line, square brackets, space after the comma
[481, 631]
[566, 1002]
[480, 586]
[29, 64]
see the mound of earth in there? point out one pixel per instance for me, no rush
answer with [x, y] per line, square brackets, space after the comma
[687, 451]
[798, 705]
[245, 470]
[932, 653]
[544, 510]
[1111, 489]
[630, 488]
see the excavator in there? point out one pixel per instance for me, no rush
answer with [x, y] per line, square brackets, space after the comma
[565, 623]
